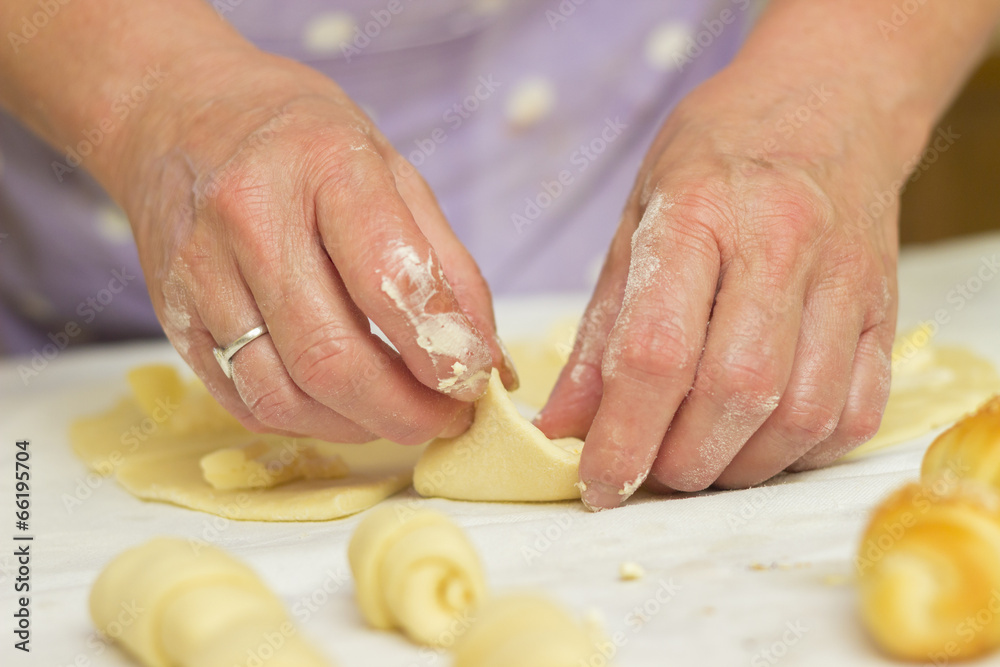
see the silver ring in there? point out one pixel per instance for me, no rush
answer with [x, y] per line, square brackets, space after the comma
[224, 355]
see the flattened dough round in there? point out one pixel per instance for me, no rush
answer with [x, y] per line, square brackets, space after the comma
[155, 454]
[931, 386]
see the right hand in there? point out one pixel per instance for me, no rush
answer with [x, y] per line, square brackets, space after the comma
[260, 193]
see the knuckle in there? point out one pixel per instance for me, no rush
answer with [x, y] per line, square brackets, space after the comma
[652, 349]
[275, 405]
[322, 358]
[748, 376]
[861, 425]
[808, 421]
[235, 192]
[796, 211]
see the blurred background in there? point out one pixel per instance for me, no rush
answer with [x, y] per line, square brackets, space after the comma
[960, 192]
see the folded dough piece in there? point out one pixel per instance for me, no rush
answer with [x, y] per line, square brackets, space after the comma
[173, 603]
[261, 465]
[154, 441]
[527, 631]
[415, 570]
[502, 457]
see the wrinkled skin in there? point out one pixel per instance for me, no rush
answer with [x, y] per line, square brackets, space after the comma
[275, 200]
[743, 321]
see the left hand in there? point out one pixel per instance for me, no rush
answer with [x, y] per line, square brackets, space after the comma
[743, 321]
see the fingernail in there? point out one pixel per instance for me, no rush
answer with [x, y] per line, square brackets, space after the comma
[461, 423]
[507, 372]
[598, 496]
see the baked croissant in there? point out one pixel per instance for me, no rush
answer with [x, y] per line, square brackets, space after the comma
[970, 448]
[930, 571]
[528, 631]
[415, 570]
[172, 603]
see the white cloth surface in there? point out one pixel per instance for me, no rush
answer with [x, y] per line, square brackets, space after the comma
[704, 598]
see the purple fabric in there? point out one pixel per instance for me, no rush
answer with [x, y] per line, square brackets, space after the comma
[611, 71]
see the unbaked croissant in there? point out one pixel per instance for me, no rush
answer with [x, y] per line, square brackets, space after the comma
[930, 571]
[527, 631]
[970, 448]
[172, 603]
[415, 570]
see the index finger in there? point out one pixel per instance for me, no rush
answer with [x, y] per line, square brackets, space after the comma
[653, 349]
[396, 278]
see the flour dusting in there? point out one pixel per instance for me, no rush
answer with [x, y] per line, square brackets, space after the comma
[446, 336]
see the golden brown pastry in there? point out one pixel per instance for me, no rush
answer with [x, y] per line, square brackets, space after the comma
[930, 571]
[969, 449]
[416, 571]
[174, 603]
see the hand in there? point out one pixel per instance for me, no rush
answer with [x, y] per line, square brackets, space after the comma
[743, 321]
[259, 193]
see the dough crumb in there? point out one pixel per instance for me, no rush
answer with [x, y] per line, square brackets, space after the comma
[633, 486]
[631, 571]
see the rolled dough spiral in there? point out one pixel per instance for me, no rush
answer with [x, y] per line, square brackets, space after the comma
[416, 571]
[173, 603]
[930, 571]
[970, 448]
[527, 631]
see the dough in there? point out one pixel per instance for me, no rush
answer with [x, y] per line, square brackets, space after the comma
[259, 465]
[931, 386]
[539, 362]
[502, 457]
[527, 631]
[173, 603]
[154, 443]
[930, 571]
[969, 449]
[415, 570]
[630, 571]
